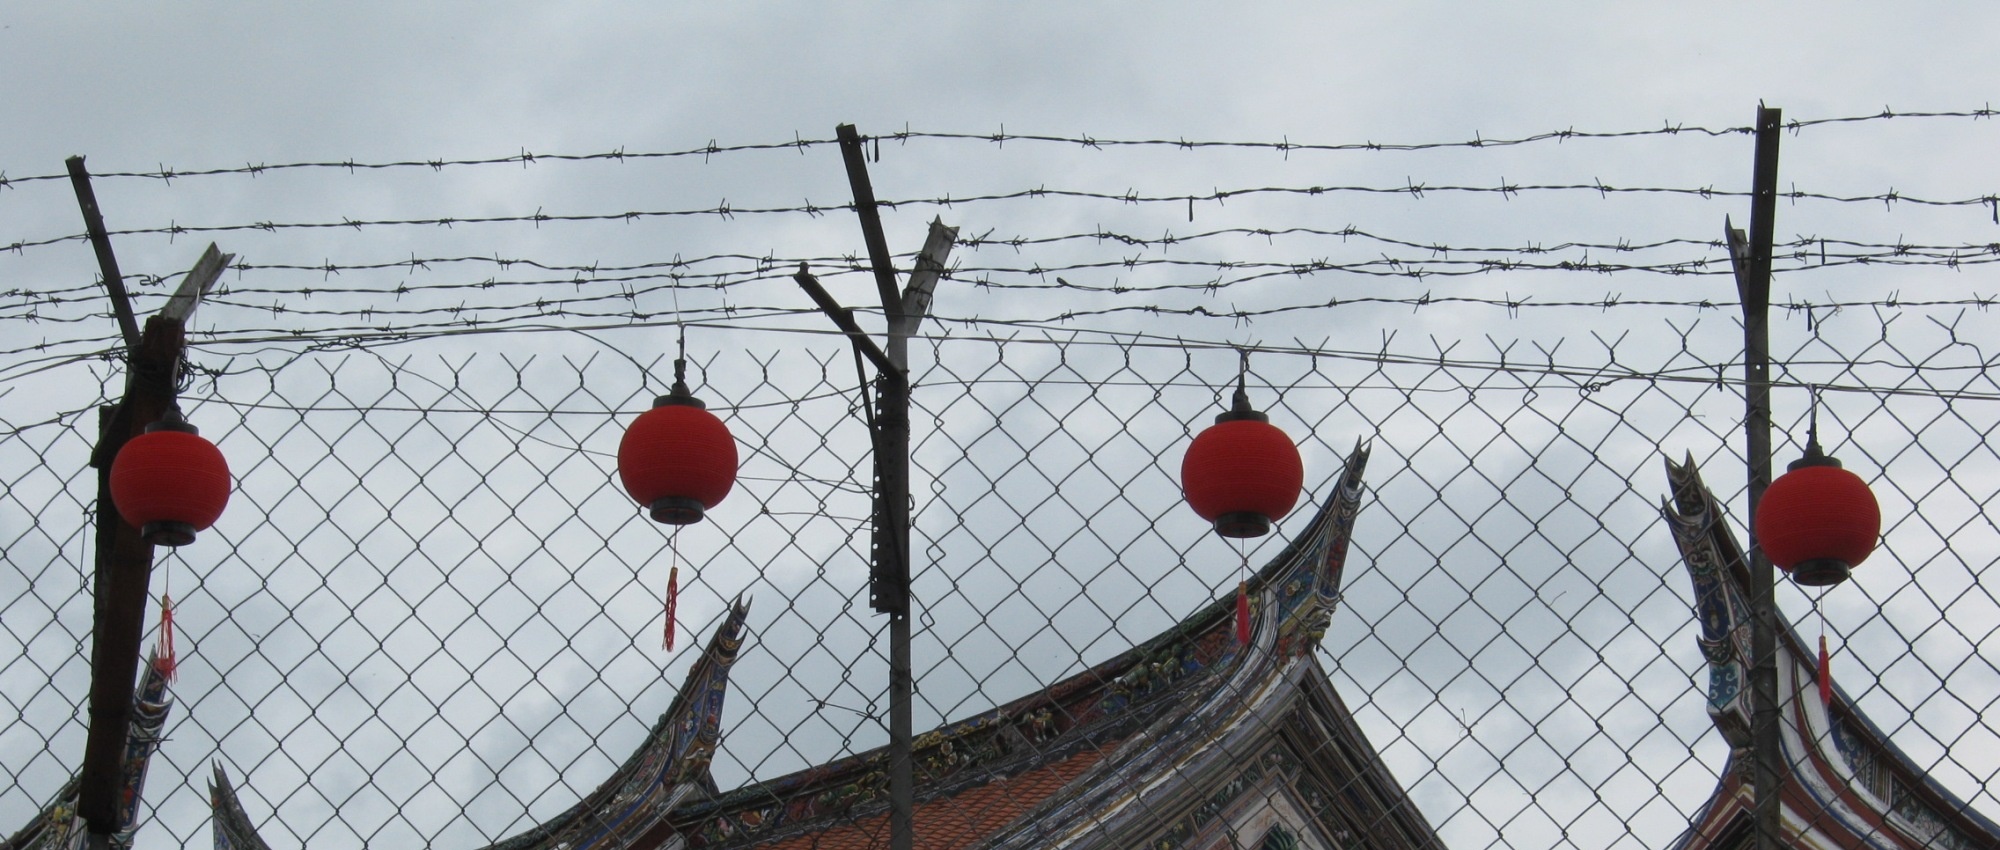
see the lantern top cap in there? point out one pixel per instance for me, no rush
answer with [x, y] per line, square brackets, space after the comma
[171, 421]
[1240, 409]
[1813, 457]
[679, 395]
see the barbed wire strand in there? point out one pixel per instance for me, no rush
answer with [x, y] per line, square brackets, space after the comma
[800, 144]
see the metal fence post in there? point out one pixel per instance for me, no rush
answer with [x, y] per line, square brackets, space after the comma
[1753, 284]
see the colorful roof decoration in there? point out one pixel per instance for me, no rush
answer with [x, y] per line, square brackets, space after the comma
[57, 826]
[230, 825]
[1846, 785]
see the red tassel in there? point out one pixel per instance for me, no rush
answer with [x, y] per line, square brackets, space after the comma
[1825, 675]
[165, 662]
[1242, 614]
[673, 601]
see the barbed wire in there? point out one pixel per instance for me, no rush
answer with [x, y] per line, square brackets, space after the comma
[684, 272]
[1576, 430]
[800, 144]
[1809, 254]
[1800, 245]
[725, 210]
[524, 158]
[32, 310]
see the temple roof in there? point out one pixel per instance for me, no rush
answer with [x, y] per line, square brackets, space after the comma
[1061, 762]
[57, 825]
[230, 825]
[1067, 764]
[962, 819]
[1846, 783]
[628, 808]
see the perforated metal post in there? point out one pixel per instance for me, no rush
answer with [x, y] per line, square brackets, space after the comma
[1753, 284]
[889, 574]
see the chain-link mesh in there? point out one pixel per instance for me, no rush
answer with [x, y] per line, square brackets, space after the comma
[431, 618]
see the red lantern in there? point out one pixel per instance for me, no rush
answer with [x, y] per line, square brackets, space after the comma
[677, 459]
[1818, 521]
[1243, 474]
[169, 482]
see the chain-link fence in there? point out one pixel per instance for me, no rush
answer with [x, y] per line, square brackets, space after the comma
[431, 618]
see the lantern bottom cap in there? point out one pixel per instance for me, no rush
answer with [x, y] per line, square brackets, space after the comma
[167, 532]
[676, 510]
[1242, 524]
[1820, 572]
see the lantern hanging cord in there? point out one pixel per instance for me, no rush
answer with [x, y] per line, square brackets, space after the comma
[680, 367]
[1243, 595]
[167, 608]
[165, 659]
[677, 310]
[1243, 556]
[1242, 398]
[681, 344]
[1824, 673]
[1819, 599]
[167, 583]
[1812, 420]
[673, 588]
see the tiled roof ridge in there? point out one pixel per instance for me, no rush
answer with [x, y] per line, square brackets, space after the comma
[1082, 696]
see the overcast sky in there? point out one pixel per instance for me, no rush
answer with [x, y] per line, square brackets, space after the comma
[223, 82]
[136, 87]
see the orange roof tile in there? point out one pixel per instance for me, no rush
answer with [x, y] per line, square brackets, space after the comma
[958, 821]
